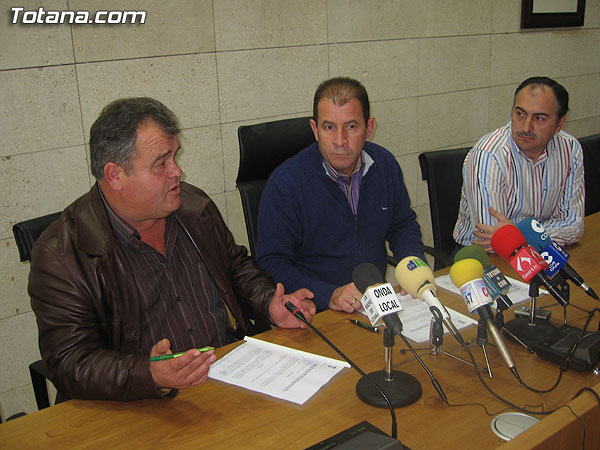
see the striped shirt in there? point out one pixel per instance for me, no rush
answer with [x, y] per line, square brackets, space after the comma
[350, 185]
[497, 174]
[179, 299]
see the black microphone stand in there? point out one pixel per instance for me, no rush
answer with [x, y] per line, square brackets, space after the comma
[436, 338]
[401, 388]
[482, 341]
[529, 331]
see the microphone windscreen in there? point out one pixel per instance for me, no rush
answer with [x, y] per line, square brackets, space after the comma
[506, 240]
[476, 252]
[465, 270]
[414, 276]
[365, 275]
[534, 233]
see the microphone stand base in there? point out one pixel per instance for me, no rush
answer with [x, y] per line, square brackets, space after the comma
[529, 335]
[403, 390]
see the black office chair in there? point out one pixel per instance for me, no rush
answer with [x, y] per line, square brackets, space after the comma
[26, 233]
[442, 169]
[591, 164]
[263, 146]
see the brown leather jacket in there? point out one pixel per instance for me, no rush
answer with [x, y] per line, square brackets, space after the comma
[88, 308]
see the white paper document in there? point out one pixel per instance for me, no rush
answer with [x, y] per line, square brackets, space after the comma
[275, 370]
[416, 318]
[519, 292]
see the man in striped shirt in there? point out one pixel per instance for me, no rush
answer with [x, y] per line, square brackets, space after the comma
[527, 168]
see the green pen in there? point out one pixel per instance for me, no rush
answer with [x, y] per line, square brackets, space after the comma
[175, 355]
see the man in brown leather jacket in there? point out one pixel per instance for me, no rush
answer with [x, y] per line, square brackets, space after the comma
[143, 265]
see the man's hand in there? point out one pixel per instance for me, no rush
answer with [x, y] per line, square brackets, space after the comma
[484, 232]
[346, 298]
[281, 317]
[187, 370]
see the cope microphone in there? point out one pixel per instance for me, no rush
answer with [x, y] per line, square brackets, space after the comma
[415, 276]
[554, 255]
[497, 284]
[467, 276]
[510, 244]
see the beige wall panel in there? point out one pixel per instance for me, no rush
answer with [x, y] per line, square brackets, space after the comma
[581, 89]
[396, 125]
[201, 158]
[501, 101]
[454, 63]
[32, 45]
[506, 16]
[357, 20]
[185, 84]
[247, 24]
[583, 127]
[18, 335]
[16, 400]
[185, 26]
[36, 184]
[516, 57]
[231, 147]
[235, 218]
[13, 280]
[40, 109]
[449, 119]
[247, 90]
[388, 69]
[592, 14]
[575, 52]
[454, 17]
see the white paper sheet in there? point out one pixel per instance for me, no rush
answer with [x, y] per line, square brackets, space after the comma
[519, 292]
[416, 318]
[275, 370]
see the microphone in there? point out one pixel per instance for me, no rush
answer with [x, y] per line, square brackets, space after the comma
[298, 315]
[466, 275]
[415, 276]
[510, 244]
[497, 284]
[554, 255]
[379, 299]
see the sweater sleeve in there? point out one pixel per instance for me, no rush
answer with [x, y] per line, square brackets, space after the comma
[279, 229]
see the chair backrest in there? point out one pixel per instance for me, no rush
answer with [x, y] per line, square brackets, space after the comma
[591, 164]
[442, 169]
[28, 231]
[263, 147]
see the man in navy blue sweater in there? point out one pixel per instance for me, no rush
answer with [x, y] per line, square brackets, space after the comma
[335, 204]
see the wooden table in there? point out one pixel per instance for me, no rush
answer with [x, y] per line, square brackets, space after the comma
[217, 415]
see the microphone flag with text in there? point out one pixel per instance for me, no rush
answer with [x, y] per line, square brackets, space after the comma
[467, 276]
[379, 299]
[510, 244]
[497, 284]
[555, 256]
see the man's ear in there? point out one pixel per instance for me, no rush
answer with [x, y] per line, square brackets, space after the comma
[113, 174]
[313, 125]
[370, 127]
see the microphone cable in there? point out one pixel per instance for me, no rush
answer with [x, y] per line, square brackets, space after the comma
[298, 315]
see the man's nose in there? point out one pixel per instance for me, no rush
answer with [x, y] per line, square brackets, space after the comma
[340, 137]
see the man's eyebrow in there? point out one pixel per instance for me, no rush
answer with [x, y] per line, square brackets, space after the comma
[533, 114]
[162, 156]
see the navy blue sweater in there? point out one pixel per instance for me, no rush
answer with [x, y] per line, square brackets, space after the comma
[308, 236]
